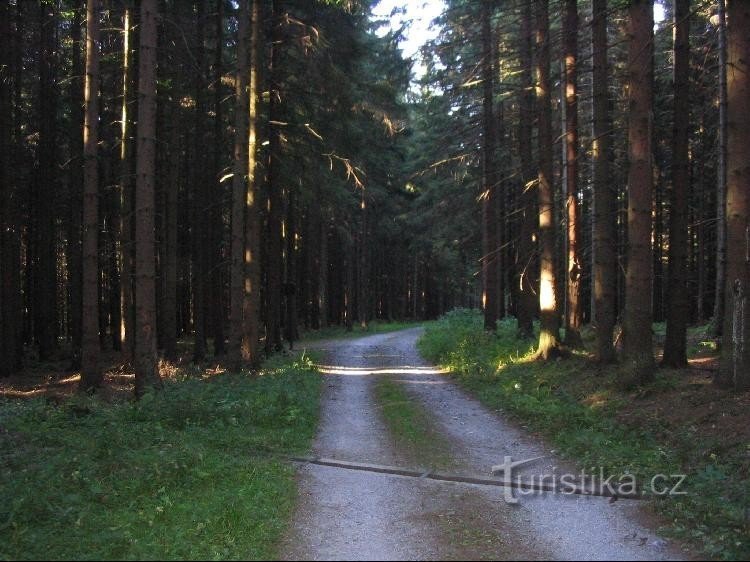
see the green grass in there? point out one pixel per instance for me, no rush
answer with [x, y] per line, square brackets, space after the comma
[410, 425]
[188, 473]
[340, 332]
[574, 404]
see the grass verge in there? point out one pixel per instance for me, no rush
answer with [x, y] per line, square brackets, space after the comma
[187, 473]
[410, 425]
[666, 428]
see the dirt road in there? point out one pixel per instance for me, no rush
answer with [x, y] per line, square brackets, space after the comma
[354, 515]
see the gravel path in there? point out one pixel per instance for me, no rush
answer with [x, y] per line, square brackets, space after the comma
[348, 515]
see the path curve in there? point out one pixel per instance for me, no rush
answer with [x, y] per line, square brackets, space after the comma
[348, 515]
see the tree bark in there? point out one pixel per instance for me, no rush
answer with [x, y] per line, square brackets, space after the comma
[73, 256]
[735, 364]
[489, 177]
[91, 375]
[43, 251]
[146, 369]
[275, 196]
[678, 308]
[721, 181]
[638, 342]
[526, 258]
[574, 307]
[549, 337]
[127, 199]
[605, 195]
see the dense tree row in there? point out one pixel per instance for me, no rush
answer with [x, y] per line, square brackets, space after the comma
[210, 172]
[595, 140]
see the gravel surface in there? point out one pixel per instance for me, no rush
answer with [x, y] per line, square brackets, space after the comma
[351, 515]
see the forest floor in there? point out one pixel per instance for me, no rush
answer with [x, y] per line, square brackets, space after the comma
[383, 405]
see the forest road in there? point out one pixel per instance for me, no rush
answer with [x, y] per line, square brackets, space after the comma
[353, 515]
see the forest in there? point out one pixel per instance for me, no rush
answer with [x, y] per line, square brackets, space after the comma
[202, 184]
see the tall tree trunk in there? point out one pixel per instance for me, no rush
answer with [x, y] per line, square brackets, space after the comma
[638, 342]
[127, 199]
[91, 374]
[216, 277]
[146, 369]
[201, 179]
[73, 256]
[489, 176]
[721, 181]
[605, 195]
[290, 284]
[526, 258]
[170, 265]
[275, 196]
[43, 251]
[574, 308]
[549, 337]
[240, 190]
[678, 309]
[9, 236]
[735, 364]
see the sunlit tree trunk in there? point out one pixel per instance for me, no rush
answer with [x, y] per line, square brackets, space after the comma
[91, 376]
[675, 348]
[526, 258]
[146, 370]
[574, 307]
[240, 190]
[605, 194]
[638, 338]
[489, 177]
[549, 337]
[127, 199]
[735, 364]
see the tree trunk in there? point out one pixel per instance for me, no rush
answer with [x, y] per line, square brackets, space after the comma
[678, 308]
[170, 265]
[127, 199]
[43, 251]
[146, 370]
[489, 177]
[605, 195]
[76, 187]
[638, 342]
[91, 375]
[240, 191]
[200, 180]
[216, 237]
[574, 308]
[526, 258]
[275, 196]
[721, 181]
[735, 364]
[10, 328]
[549, 337]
